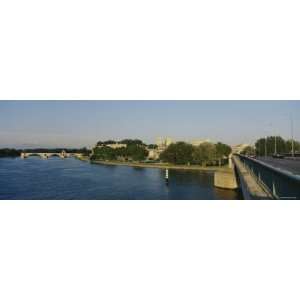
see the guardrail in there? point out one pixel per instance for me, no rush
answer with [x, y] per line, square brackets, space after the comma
[280, 184]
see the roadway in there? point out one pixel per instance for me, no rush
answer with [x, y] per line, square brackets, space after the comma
[291, 165]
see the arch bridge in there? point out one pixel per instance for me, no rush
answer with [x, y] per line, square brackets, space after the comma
[46, 155]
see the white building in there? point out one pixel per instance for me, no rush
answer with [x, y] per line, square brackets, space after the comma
[163, 143]
[153, 154]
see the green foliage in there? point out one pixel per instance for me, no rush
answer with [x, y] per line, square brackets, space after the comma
[222, 150]
[7, 152]
[136, 152]
[260, 147]
[178, 153]
[133, 151]
[104, 153]
[248, 151]
[288, 144]
[152, 146]
[132, 142]
[204, 154]
[83, 150]
[109, 142]
[267, 146]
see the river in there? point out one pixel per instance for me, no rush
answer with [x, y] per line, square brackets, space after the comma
[56, 178]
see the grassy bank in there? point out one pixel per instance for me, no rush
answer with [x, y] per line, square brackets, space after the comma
[83, 158]
[159, 165]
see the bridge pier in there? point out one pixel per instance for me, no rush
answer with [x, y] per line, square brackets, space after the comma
[225, 179]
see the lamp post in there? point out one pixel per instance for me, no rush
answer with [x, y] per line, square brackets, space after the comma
[275, 140]
[266, 147]
[266, 129]
[292, 134]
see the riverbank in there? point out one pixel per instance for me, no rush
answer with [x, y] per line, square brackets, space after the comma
[83, 158]
[159, 165]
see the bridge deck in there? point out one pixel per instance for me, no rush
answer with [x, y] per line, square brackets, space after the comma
[291, 165]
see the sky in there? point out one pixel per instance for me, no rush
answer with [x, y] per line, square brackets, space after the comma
[83, 123]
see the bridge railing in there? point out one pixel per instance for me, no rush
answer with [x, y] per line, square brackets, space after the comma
[279, 183]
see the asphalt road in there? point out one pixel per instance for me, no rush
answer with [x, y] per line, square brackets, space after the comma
[291, 165]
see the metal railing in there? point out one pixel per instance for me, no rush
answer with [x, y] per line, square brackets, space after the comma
[280, 184]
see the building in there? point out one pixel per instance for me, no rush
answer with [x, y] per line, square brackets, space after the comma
[153, 154]
[163, 143]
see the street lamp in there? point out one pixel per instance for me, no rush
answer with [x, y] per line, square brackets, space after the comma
[266, 147]
[268, 125]
[275, 141]
[292, 134]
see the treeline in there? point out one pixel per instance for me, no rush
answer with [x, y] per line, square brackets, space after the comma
[132, 152]
[266, 146]
[205, 154]
[179, 153]
[8, 152]
[83, 150]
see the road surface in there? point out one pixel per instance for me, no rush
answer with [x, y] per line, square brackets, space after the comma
[287, 164]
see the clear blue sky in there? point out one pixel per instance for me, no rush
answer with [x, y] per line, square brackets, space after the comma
[83, 123]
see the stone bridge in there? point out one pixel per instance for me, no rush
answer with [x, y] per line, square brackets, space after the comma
[46, 155]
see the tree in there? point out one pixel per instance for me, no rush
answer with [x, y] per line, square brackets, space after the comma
[109, 142]
[249, 150]
[152, 146]
[132, 142]
[133, 151]
[6, 152]
[266, 146]
[204, 154]
[136, 152]
[104, 153]
[289, 146]
[178, 153]
[83, 151]
[260, 146]
[222, 152]
[276, 145]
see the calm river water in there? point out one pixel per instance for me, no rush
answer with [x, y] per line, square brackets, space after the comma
[56, 178]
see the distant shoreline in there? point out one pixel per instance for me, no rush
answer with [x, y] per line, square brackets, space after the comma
[158, 165]
[148, 165]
